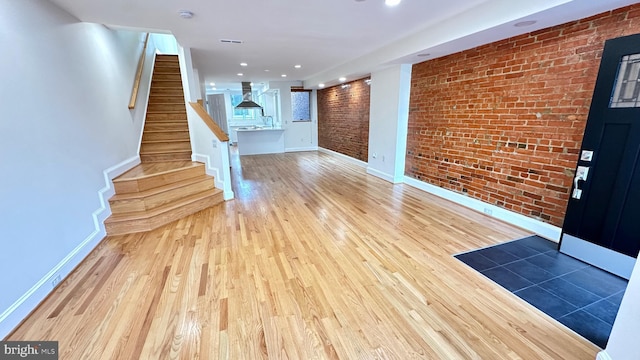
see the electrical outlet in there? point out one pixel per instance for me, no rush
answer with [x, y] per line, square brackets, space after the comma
[56, 280]
[375, 155]
[488, 211]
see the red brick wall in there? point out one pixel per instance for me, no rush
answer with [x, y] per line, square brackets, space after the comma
[343, 119]
[503, 122]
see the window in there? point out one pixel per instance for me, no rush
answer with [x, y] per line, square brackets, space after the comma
[627, 87]
[241, 114]
[300, 104]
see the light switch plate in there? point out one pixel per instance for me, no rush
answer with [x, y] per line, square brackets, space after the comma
[586, 155]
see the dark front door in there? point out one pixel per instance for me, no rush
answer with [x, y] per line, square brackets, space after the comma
[604, 208]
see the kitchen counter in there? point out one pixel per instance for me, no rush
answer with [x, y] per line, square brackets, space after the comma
[259, 128]
[254, 140]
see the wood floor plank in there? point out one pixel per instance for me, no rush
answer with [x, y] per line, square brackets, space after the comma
[314, 259]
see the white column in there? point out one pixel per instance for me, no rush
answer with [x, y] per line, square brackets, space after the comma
[622, 343]
[388, 121]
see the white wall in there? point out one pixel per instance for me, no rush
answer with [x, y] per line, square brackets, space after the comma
[196, 92]
[165, 44]
[314, 117]
[622, 341]
[205, 146]
[64, 93]
[388, 121]
[298, 135]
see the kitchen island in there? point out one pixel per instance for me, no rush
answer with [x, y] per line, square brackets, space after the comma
[254, 140]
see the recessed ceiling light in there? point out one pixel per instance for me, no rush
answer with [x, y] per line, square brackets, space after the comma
[213, 88]
[243, 64]
[185, 14]
[284, 75]
[320, 85]
[266, 70]
[251, 84]
[240, 74]
[212, 84]
[423, 55]
[297, 66]
[525, 23]
[392, 2]
[343, 79]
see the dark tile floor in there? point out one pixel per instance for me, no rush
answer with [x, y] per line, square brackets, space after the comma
[582, 297]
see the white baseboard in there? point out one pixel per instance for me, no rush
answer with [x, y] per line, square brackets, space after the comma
[298, 149]
[603, 355]
[212, 171]
[543, 229]
[379, 174]
[344, 157]
[100, 215]
[21, 308]
[384, 176]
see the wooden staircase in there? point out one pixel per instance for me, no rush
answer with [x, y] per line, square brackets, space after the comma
[166, 185]
[166, 131]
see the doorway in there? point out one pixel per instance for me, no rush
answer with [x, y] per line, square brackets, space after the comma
[602, 222]
[218, 111]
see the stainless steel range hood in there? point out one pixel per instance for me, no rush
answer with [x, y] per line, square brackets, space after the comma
[247, 103]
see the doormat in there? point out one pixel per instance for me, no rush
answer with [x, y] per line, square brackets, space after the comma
[582, 297]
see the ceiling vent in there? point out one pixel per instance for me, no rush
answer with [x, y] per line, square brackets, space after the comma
[230, 41]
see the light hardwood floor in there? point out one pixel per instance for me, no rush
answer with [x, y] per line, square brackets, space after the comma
[314, 259]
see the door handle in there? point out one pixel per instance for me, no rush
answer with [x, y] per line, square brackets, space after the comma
[581, 174]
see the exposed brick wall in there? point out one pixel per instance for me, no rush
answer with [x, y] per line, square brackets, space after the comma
[343, 119]
[504, 122]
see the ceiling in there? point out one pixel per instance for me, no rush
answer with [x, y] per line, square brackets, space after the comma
[328, 38]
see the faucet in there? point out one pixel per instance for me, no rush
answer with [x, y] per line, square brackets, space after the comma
[266, 119]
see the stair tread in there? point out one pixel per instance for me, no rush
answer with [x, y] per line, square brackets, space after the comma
[160, 119]
[145, 170]
[182, 122]
[161, 189]
[154, 110]
[154, 152]
[166, 131]
[173, 126]
[165, 141]
[138, 215]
